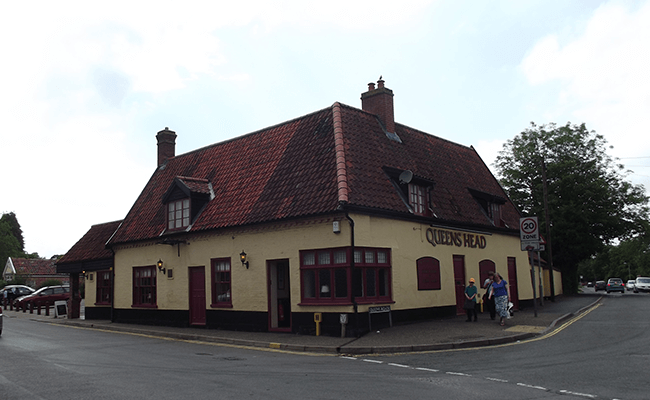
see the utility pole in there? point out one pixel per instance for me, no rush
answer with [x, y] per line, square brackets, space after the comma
[548, 231]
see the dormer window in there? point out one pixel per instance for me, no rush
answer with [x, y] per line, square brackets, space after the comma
[178, 213]
[415, 191]
[490, 205]
[184, 200]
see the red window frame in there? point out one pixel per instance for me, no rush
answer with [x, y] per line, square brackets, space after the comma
[104, 286]
[144, 286]
[221, 282]
[326, 276]
[178, 214]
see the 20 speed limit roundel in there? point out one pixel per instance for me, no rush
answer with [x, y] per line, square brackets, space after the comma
[529, 226]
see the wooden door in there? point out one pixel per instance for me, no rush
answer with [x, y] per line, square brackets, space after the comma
[197, 295]
[459, 283]
[512, 282]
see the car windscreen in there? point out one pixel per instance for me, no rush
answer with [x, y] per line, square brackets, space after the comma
[644, 280]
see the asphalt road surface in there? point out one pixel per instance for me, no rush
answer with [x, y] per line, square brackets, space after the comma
[603, 354]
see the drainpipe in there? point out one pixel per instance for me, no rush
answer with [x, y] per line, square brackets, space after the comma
[353, 270]
[112, 287]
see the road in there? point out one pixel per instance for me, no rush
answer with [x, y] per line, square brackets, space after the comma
[598, 355]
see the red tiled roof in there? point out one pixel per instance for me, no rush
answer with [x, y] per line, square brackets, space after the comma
[28, 266]
[306, 166]
[92, 246]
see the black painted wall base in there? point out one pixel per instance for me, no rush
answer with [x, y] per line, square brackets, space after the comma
[251, 321]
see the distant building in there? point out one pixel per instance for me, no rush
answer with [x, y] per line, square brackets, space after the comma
[35, 271]
[341, 211]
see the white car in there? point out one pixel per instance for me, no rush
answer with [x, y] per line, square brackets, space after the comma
[642, 284]
[630, 284]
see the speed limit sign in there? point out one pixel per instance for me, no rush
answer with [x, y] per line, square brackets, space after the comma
[529, 229]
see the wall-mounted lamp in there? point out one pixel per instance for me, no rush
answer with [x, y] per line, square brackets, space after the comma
[84, 274]
[159, 264]
[242, 257]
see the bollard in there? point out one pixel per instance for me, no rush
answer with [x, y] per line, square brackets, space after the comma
[38, 308]
[47, 309]
[318, 318]
[31, 308]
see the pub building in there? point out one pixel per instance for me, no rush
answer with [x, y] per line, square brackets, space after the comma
[327, 216]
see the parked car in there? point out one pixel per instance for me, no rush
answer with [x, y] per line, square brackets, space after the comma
[615, 285]
[45, 295]
[600, 285]
[15, 291]
[642, 284]
[630, 284]
[590, 284]
[0, 321]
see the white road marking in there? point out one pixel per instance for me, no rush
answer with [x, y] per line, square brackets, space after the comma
[457, 373]
[428, 369]
[497, 380]
[531, 386]
[591, 396]
[399, 365]
[348, 358]
[374, 361]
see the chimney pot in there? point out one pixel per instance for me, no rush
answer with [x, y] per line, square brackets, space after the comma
[380, 83]
[371, 86]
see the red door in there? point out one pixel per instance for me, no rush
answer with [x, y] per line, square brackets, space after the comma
[197, 295]
[459, 283]
[512, 282]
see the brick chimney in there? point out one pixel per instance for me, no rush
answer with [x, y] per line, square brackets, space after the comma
[379, 101]
[166, 145]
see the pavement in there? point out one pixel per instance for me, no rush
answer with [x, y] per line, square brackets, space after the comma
[430, 335]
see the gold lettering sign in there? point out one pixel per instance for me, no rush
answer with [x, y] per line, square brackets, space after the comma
[458, 239]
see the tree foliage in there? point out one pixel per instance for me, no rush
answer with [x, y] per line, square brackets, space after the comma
[591, 205]
[12, 243]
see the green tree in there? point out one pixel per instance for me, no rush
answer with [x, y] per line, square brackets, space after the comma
[9, 244]
[590, 203]
[16, 231]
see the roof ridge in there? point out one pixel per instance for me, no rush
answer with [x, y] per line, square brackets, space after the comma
[341, 170]
[259, 131]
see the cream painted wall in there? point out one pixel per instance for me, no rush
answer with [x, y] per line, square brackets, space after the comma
[407, 241]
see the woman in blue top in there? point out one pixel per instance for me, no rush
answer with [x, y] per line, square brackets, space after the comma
[501, 296]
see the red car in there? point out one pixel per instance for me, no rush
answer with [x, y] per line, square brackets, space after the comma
[46, 295]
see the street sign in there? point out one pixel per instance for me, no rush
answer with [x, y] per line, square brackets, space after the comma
[530, 246]
[529, 229]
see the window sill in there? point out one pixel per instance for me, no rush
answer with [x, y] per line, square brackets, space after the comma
[144, 306]
[221, 305]
[104, 304]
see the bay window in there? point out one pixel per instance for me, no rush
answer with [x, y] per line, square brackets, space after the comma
[327, 277]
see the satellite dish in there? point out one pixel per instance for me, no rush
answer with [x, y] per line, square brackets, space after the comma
[405, 177]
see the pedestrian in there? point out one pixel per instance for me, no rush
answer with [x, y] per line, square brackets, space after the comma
[470, 300]
[501, 296]
[487, 300]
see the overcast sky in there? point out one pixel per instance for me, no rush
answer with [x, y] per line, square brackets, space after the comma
[85, 87]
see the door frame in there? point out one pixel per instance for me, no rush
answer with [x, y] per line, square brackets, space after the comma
[273, 286]
[191, 310]
[459, 288]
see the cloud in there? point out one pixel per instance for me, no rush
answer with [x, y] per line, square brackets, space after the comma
[602, 74]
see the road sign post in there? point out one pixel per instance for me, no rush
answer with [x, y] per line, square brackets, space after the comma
[529, 235]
